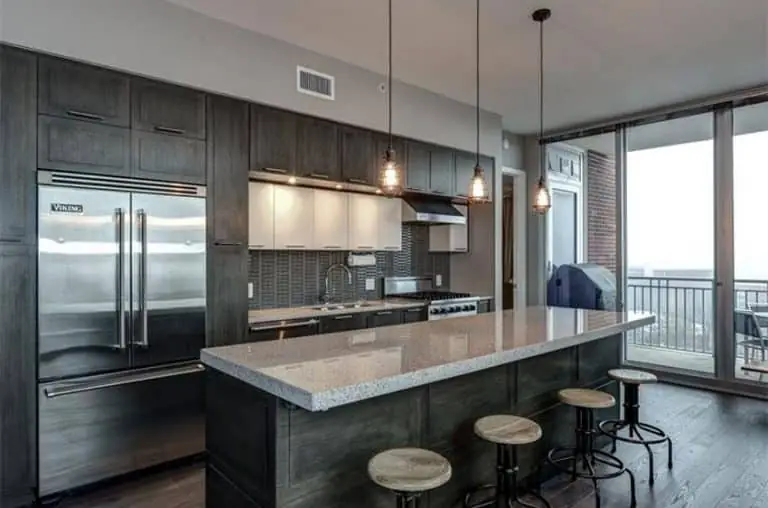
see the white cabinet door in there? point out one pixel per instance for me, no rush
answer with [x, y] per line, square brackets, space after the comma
[261, 215]
[390, 224]
[449, 238]
[363, 222]
[294, 217]
[331, 220]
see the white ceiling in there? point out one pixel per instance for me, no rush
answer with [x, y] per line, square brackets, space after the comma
[603, 57]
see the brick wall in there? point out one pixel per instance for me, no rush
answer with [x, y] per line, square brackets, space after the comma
[601, 210]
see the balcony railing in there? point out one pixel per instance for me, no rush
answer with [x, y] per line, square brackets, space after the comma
[684, 310]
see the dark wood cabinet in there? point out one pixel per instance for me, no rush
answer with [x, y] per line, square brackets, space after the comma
[417, 172]
[317, 152]
[18, 144]
[464, 170]
[227, 294]
[167, 109]
[357, 157]
[415, 315]
[73, 145]
[273, 139]
[227, 178]
[83, 92]
[385, 318]
[343, 323]
[171, 158]
[441, 171]
[18, 364]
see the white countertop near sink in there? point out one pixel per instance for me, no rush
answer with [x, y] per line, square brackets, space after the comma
[325, 371]
[290, 313]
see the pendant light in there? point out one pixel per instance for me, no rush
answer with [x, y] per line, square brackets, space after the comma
[478, 189]
[542, 200]
[390, 177]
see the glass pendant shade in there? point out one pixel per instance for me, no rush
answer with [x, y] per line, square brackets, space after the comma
[542, 201]
[478, 190]
[390, 180]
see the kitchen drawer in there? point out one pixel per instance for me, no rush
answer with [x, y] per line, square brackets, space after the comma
[168, 109]
[343, 322]
[259, 332]
[170, 158]
[385, 318]
[415, 315]
[82, 92]
[72, 145]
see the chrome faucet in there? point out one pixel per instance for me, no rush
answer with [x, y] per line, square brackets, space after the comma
[327, 295]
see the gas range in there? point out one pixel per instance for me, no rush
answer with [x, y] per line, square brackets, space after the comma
[442, 304]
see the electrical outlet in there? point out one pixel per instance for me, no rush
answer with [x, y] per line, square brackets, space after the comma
[438, 280]
[370, 284]
[250, 290]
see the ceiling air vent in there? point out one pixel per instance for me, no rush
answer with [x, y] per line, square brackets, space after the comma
[315, 83]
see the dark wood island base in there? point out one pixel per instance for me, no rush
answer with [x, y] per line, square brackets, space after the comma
[267, 453]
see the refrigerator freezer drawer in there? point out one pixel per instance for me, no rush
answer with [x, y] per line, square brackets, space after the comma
[103, 426]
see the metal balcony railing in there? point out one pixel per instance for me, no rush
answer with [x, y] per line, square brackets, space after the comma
[684, 310]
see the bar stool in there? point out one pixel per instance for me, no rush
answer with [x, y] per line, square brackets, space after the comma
[409, 472]
[507, 432]
[586, 401]
[632, 379]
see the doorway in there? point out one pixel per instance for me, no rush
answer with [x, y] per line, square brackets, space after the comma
[513, 244]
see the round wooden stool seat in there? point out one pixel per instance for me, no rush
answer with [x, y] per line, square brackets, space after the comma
[586, 398]
[632, 376]
[508, 429]
[409, 470]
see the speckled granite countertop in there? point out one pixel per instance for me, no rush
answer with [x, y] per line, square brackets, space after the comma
[324, 371]
[289, 313]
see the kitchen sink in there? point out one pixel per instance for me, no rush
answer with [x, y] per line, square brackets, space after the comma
[343, 306]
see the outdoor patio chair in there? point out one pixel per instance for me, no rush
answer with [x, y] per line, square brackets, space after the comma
[747, 325]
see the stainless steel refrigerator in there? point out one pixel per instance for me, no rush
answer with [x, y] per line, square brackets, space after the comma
[121, 299]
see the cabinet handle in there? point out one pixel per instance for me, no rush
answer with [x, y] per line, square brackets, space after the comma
[459, 250]
[319, 175]
[420, 189]
[392, 247]
[332, 247]
[294, 246]
[414, 310]
[224, 243]
[358, 180]
[275, 170]
[341, 318]
[258, 246]
[83, 114]
[384, 313]
[364, 247]
[169, 130]
[439, 192]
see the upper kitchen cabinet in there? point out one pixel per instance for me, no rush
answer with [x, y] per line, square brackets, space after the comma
[273, 139]
[331, 220]
[227, 177]
[18, 141]
[441, 171]
[464, 170]
[417, 174]
[294, 217]
[168, 109]
[171, 158]
[450, 237]
[317, 148]
[364, 222]
[390, 224]
[357, 157]
[72, 145]
[74, 90]
[261, 216]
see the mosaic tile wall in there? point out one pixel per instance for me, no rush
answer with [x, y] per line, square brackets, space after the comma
[294, 278]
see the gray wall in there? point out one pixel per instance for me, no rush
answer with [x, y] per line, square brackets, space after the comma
[536, 228]
[513, 156]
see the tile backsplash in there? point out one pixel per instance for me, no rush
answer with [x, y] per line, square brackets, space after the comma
[295, 278]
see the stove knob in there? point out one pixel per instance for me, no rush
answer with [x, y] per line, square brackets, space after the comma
[434, 311]
[466, 308]
[443, 310]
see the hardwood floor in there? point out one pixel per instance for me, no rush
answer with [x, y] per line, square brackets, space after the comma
[721, 460]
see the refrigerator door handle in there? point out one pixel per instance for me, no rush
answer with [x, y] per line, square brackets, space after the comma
[114, 380]
[143, 341]
[119, 277]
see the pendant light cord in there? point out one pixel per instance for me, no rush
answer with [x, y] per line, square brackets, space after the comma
[541, 91]
[389, 78]
[477, 80]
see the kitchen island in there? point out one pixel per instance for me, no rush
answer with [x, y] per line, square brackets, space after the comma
[292, 423]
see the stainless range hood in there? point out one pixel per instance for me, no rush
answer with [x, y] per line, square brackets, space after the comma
[430, 211]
